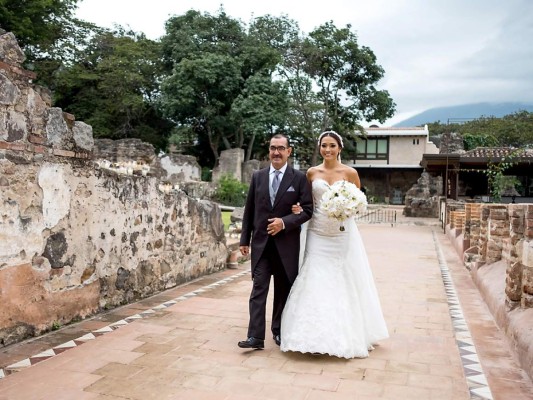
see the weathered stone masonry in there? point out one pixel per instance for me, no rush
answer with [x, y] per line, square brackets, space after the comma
[496, 242]
[492, 233]
[75, 239]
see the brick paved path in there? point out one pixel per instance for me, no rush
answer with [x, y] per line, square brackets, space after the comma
[182, 344]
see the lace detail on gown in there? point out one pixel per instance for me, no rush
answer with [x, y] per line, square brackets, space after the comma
[321, 223]
[333, 307]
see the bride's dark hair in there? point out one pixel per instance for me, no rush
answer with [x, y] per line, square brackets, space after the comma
[331, 134]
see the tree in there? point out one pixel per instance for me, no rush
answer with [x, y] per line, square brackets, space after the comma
[38, 24]
[496, 178]
[219, 82]
[47, 32]
[472, 141]
[516, 129]
[304, 108]
[513, 130]
[199, 94]
[232, 87]
[345, 74]
[261, 107]
[114, 87]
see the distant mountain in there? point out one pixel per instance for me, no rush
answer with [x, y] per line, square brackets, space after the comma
[464, 112]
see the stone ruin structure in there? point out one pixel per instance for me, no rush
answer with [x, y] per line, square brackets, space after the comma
[76, 237]
[495, 242]
[422, 200]
[135, 157]
[451, 142]
[231, 162]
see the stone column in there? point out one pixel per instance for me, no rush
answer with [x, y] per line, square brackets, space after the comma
[498, 229]
[248, 169]
[472, 223]
[229, 163]
[512, 254]
[527, 259]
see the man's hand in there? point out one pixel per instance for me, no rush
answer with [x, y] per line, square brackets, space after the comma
[296, 208]
[275, 226]
[245, 250]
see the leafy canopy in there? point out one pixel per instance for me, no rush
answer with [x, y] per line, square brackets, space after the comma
[37, 23]
[234, 86]
[513, 130]
[220, 83]
[333, 85]
[211, 83]
[114, 86]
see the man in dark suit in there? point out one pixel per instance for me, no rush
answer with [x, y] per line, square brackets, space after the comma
[274, 232]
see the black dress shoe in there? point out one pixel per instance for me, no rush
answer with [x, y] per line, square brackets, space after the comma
[277, 339]
[252, 343]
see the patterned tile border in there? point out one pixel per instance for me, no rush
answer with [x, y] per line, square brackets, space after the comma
[45, 355]
[475, 378]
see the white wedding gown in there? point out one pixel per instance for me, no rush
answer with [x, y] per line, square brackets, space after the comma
[333, 307]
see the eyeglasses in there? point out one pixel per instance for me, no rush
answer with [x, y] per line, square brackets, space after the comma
[278, 148]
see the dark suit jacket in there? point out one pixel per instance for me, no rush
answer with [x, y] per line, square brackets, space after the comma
[293, 188]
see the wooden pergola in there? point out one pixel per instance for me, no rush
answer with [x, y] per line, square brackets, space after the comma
[468, 169]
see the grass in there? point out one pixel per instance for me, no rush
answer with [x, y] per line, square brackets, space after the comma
[226, 219]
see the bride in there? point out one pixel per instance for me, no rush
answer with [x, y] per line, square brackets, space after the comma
[333, 307]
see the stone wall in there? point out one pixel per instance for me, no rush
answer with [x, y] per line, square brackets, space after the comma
[496, 241]
[172, 168]
[181, 168]
[76, 238]
[498, 232]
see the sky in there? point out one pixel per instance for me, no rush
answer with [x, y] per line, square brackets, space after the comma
[435, 53]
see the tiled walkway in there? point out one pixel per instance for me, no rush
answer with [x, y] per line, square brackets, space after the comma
[182, 344]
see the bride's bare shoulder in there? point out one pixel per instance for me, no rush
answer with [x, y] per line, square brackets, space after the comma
[351, 175]
[313, 171]
[349, 171]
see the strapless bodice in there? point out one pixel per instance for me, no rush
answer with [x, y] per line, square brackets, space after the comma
[320, 222]
[319, 186]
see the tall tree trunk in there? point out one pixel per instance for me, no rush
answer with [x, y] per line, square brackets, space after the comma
[314, 157]
[213, 145]
[226, 142]
[250, 148]
[240, 135]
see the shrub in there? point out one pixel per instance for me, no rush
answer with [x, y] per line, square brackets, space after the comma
[231, 192]
[206, 174]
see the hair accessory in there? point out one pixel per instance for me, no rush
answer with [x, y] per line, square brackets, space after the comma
[331, 133]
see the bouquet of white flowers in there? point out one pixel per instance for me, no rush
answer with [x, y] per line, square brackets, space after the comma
[343, 200]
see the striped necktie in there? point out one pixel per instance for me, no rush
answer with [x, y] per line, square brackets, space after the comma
[275, 184]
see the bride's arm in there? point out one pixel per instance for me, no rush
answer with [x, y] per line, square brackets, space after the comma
[353, 176]
[296, 208]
